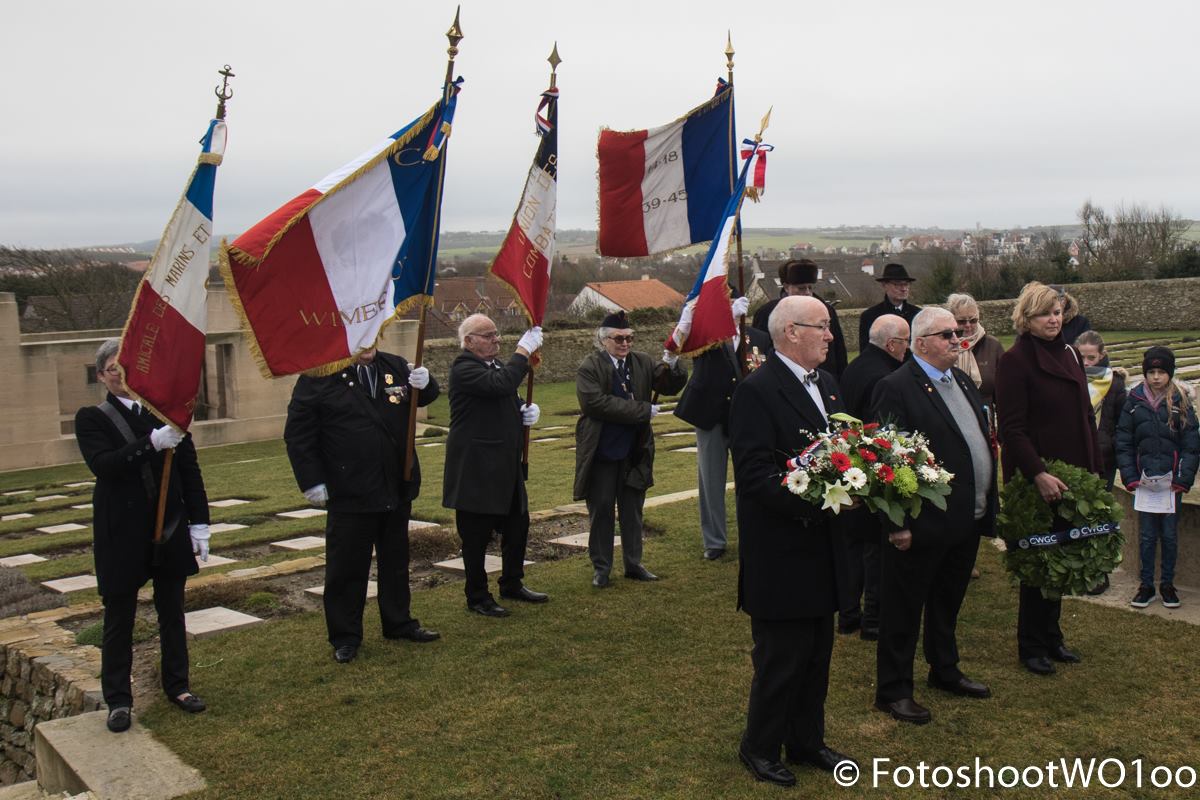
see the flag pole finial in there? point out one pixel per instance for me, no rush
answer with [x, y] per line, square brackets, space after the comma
[766, 120]
[554, 60]
[729, 51]
[454, 35]
[223, 92]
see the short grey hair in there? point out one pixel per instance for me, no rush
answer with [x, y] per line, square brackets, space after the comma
[601, 335]
[884, 328]
[777, 324]
[925, 321]
[465, 328]
[107, 350]
[959, 301]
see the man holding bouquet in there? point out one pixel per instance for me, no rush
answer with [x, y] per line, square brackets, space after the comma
[786, 572]
[927, 561]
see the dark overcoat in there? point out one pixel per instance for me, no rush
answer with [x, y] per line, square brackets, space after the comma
[352, 443]
[1044, 409]
[598, 404]
[487, 436]
[871, 366]
[715, 374]
[785, 551]
[124, 510]
[908, 399]
[907, 310]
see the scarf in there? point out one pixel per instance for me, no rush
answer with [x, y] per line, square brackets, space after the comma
[966, 357]
[1100, 378]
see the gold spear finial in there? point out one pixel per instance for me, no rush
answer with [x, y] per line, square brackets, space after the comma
[554, 60]
[223, 92]
[455, 35]
[766, 120]
[729, 51]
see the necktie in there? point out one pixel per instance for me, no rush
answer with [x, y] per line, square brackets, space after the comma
[944, 379]
[366, 379]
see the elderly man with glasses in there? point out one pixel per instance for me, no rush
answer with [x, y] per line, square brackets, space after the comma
[614, 444]
[484, 479]
[927, 561]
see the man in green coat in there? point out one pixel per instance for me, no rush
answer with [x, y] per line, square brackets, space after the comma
[614, 455]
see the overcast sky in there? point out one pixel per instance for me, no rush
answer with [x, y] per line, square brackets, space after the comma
[920, 113]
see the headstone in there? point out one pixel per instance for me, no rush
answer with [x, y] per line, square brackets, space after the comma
[83, 507]
[214, 561]
[228, 502]
[74, 584]
[319, 591]
[299, 543]
[16, 492]
[64, 528]
[21, 560]
[303, 513]
[547, 439]
[579, 541]
[11, 517]
[225, 527]
[46, 497]
[433, 444]
[684, 450]
[416, 524]
[211, 621]
[678, 433]
[491, 565]
[79, 485]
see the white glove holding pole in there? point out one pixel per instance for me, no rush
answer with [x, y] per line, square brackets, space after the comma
[530, 413]
[200, 535]
[670, 358]
[165, 438]
[685, 320]
[654, 411]
[418, 378]
[740, 307]
[317, 495]
[531, 340]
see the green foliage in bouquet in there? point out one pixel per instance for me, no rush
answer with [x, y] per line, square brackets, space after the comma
[1071, 568]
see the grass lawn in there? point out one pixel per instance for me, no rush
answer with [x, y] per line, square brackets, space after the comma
[635, 691]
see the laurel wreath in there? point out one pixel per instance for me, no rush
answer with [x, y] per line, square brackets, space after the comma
[1070, 568]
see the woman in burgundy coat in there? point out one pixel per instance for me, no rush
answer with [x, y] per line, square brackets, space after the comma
[1045, 413]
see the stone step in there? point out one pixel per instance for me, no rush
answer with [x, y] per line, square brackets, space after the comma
[319, 591]
[79, 754]
[225, 527]
[10, 517]
[303, 513]
[66, 527]
[228, 502]
[21, 560]
[299, 543]
[579, 541]
[211, 621]
[214, 560]
[76, 583]
[492, 565]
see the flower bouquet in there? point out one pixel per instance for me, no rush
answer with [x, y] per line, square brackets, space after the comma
[888, 470]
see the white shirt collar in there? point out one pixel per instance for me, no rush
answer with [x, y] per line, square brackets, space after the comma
[128, 402]
[800, 372]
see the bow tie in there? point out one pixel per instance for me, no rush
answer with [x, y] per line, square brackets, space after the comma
[810, 379]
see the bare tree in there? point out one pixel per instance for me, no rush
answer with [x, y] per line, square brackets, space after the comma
[69, 289]
[1132, 242]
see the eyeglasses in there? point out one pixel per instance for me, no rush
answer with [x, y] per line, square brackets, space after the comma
[111, 370]
[622, 339]
[491, 337]
[965, 322]
[947, 335]
[822, 326]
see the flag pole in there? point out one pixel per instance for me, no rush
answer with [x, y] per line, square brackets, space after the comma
[454, 36]
[554, 60]
[223, 93]
[740, 350]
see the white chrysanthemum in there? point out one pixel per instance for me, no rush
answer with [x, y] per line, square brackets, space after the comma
[855, 478]
[929, 474]
[944, 476]
[797, 481]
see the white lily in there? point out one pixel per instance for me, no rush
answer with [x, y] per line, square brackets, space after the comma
[836, 496]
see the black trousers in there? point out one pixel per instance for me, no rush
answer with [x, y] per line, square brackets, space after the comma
[930, 579]
[609, 499]
[856, 546]
[1037, 624]
[116, 649]
[791, 679]
[349, 538]
[476, 531]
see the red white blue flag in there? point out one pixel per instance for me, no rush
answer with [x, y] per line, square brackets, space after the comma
[162, 346]
[527, 254]
[708, 303]
[665, 188]
[316, 281]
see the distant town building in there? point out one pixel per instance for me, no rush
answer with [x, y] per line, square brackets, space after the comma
[625, 295]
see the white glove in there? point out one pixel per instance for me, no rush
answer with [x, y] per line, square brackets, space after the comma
[740, 307]
[530, 413]
[669, 358]
[317, 495]
[531, 340]
[200, 535]
[165, 438]
[685, 320]
[654, 411]
[418, 378]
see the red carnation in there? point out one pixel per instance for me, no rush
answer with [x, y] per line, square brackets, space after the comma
[885, 473]
[870, 426]
[867, 455]
[884, 443]
[840, 461]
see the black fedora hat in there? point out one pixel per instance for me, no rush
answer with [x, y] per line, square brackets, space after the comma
[895, 272]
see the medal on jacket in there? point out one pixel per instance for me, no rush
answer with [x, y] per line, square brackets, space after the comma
[388, 379]
[395, 394]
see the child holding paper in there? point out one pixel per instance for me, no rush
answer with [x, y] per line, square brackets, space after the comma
[1158, 448]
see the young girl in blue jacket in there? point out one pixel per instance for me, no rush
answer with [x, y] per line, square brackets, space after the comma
[1158, 435]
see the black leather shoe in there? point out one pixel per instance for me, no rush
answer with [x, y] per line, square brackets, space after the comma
[488, 608]
[1064, 656]
[963, 687]
[869, 633]
[600, 580]
[713, 553]
[1039, 665]
[190, 703]
[417, 634]
[640, 574]
[765, 770]
[527, 595]
[824, 758]
[345, 654]
[849, 626]
[119, 719]
[905, 710]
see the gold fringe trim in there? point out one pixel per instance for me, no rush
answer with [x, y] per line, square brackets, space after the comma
[431, 153]
[211, 158]
[235, 299]
[242, 257]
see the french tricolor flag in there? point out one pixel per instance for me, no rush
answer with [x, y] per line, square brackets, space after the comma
[316, 281]
[665, 188]
[162, 346]
[707, 305]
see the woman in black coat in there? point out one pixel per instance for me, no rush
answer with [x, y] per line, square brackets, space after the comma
[1045, 413]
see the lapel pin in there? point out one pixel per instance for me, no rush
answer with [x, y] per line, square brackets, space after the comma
[388, 379]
